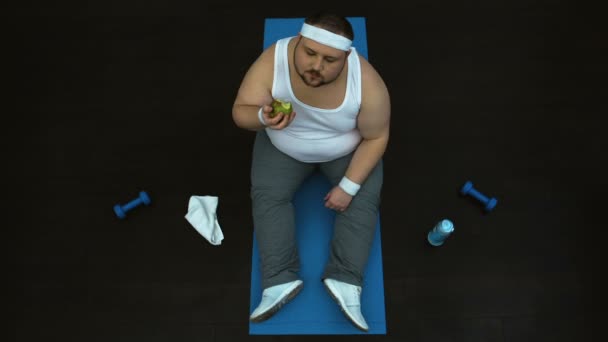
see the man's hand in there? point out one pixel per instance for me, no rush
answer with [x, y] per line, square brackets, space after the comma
[337, 199]
[279, 121]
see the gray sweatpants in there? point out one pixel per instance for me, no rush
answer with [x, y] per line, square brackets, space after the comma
[275, 177]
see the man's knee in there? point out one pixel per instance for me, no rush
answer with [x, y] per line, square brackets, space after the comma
[270, 194]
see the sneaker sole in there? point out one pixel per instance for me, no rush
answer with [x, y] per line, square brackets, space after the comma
[331, 294]
[270, 312]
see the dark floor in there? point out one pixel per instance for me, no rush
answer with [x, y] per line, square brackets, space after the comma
[109, 98]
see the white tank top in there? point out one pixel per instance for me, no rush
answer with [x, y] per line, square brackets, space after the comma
[316, 135]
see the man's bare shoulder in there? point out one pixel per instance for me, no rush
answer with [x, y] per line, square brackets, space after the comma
[374, 116]
[369, 75]
[372, 84]
[262, 69]
[257, 83]
[267, 55]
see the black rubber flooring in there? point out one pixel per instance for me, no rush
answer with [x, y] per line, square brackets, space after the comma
[105, 99]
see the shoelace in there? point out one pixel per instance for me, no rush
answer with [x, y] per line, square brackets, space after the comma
[357, 292]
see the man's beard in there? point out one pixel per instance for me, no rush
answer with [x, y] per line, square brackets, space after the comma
[311, 73]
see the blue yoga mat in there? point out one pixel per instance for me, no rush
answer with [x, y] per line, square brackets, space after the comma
[313, 311]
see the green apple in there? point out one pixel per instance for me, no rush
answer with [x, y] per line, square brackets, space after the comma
[279, 106]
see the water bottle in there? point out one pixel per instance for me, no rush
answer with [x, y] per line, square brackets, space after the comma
[440, 232]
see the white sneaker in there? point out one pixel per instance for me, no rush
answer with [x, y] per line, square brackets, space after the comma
[273, 298]
[349, 298]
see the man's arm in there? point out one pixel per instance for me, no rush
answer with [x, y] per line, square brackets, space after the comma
[254, 92]
[373, 123]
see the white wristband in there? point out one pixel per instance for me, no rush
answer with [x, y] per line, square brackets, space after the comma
[261, 116]
[349, 186]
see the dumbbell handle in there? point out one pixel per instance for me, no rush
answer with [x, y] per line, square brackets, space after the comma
[478, 195]
[134, 203]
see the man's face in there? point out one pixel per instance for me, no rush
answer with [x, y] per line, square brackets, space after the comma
[318, 64]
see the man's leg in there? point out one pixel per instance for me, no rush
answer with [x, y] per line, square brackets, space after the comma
[354, 229]
[275, 177]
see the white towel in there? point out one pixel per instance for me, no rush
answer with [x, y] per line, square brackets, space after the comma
[201, 215]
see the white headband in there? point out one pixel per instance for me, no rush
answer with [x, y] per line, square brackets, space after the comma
[325, 37]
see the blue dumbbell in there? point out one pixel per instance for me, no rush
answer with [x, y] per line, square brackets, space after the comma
[121, 210]
[467, 189]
